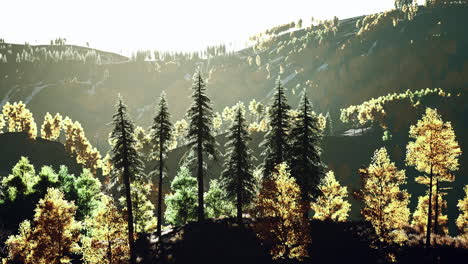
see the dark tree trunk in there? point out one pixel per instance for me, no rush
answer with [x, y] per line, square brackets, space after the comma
[201, 214]
[160, 189]
[126, 178]
[429, 215]
[201, 211]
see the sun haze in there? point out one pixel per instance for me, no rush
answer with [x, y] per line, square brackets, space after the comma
[177, 25]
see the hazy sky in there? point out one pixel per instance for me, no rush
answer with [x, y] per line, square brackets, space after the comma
[184, 25]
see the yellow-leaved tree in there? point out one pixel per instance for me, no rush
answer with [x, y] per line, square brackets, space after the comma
[2, 123]
[106, 241]
[434, 152]
[385, 204]
[78, 145]
[281, 216]
[331, 205]
[51, 127]
[419, 222]
[53, 236]
[20, 119]
[462, 220]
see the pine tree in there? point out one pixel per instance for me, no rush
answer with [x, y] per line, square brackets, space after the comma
[276, 139]
[17, 193]
[434, 152]
[331, 205]
[126, 160]
[106, 238]
[279, 203]
[88, 190]
[237, 178]
[54, 236]
[462, 220]
[181, 204]
[161, 137]
[47, 179]
[304, 155]
[200, 137]
[385, 204]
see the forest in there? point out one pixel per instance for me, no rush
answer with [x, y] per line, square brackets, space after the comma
[338, 142]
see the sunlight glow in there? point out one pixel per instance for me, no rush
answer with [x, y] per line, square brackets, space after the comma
[178, 25]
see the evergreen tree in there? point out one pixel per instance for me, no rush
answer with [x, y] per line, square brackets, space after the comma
[126, 160]
[88, 190]
[161, 138]
[47, 179]
[181, 205]
[304, 155]
[18, 194]
[276, 139]
[237, 178]
[200, 137]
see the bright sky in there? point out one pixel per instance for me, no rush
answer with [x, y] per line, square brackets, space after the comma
[178, 25]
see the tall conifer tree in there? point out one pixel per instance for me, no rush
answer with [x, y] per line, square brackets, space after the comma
[275, 141]
[237, 178]
[200, 136]
[304, 156]
[126, 161]
[161, 137]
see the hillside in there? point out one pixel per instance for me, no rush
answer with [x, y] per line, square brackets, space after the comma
[40, 152]
[339, 62]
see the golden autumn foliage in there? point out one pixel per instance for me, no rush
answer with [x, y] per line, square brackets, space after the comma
[331, 205]
[143, 143]
[419, 221]
[434, 152]
[2, 122]
[462, 220]
[107, 165]
[51, 127]
[279, 204]
[385, 204]
[20, 119]
[375, 109]
[53, 236]
[106, 242]
[78, 145]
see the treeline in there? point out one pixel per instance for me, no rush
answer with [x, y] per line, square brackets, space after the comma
[17, 118]
[167, 56]
[291, 182]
